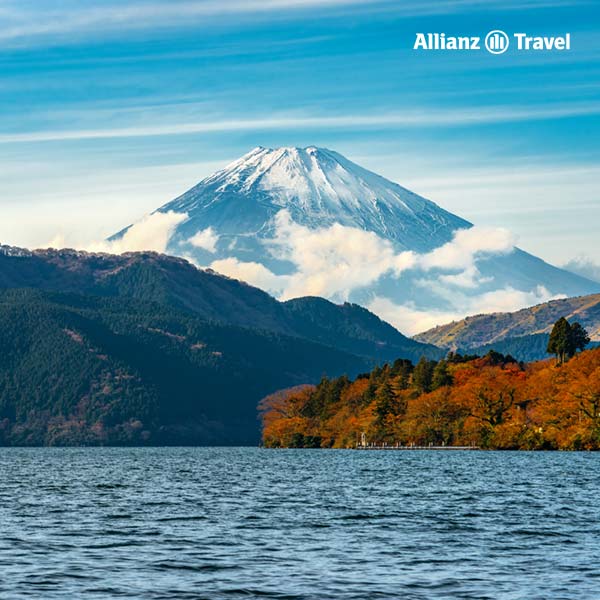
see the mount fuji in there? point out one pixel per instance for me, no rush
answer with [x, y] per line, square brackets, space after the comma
[308, 221]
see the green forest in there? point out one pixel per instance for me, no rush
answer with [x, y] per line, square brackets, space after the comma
[79, 370]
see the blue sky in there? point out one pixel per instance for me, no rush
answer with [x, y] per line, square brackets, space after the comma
[110, 109]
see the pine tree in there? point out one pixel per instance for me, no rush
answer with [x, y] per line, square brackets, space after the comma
[423, 375]
[441, 376]
[402, 370]
[385, 401]
[566, 339]
[579, 337]
[559, 343]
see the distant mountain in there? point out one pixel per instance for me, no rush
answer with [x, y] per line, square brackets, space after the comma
[177, 283]
[236, 215]
[83, 370]
[526, 348]
[490, 330]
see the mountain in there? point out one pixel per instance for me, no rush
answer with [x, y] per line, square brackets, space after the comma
[177, 283]
[318, 187]
[87, 370]
[482, 330]
[308, 221]
[143, 348]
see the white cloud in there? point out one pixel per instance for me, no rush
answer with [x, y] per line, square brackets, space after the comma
[336, 260]
[58, 241]
[329, 261]
[206, 239]
[332, 261]
[251, 272]
[466, 246]
[462, 252]
[411, 320]
[407, 318]
[508, 299]
[153, 233]
[469, 278]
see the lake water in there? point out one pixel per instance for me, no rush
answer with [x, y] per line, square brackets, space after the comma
[298, 524]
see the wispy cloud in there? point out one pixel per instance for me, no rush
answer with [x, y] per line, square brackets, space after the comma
[47, 19]
[406, 119]
[22, 21]
[584, 265]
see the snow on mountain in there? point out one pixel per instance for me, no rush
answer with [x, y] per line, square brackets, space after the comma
[318, 187]
[307, 221]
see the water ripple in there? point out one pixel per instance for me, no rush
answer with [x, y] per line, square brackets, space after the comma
[183, 523]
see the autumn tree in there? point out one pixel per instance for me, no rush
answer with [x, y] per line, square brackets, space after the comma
[490, 401]
[281, 417]
[490, 397]
[584, 386]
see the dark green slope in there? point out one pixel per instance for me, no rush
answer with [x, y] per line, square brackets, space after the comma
[526, 348]
[176, 282]
[90, 370]
[143, 275]
[353, 328]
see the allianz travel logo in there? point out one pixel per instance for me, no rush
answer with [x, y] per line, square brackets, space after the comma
[495, 42]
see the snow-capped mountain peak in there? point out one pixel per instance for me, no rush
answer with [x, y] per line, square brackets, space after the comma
[308, 221]
[318, 187]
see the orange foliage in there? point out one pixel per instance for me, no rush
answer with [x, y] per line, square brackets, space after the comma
[503, 406]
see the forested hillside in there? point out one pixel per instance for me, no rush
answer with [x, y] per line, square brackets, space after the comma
[492, 402]
[177, 283]
[88, 370]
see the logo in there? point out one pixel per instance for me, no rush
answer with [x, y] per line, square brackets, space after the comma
[497, 42]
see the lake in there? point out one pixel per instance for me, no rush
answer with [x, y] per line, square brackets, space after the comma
[297, 524]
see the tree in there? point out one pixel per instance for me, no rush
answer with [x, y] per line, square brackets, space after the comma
[423, 375]
[559, 343]
[566, 339]
[579, 337]
[385, 401]
[495, 358]
[441, 376]
[402, 370]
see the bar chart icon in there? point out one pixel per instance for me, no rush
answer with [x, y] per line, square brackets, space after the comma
[496, 42]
